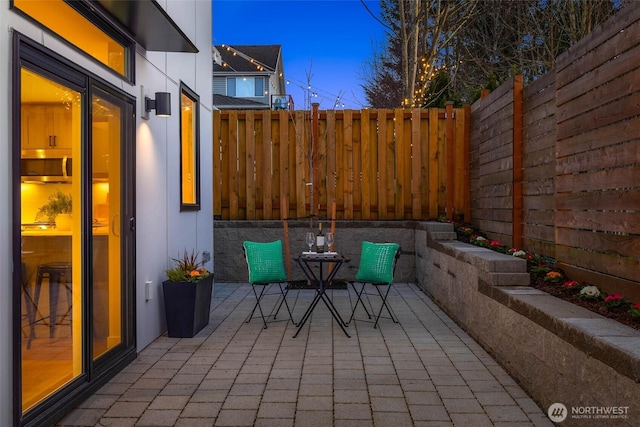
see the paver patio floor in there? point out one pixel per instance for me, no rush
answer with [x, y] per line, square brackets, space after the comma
[424, 371]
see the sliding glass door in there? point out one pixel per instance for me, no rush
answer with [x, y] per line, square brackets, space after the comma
[73, 197]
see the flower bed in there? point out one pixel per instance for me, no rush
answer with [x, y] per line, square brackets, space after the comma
[546, 277]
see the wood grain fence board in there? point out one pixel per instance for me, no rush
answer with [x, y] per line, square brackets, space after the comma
[434, 156]
[425, 166]
[502, 151]
[265, 162]
[250, 163]
[612, 200]
[275, 156]
[548, 248]
[407, 171]
[543, 202]
[490, 214]
[540, 92]
[501, 168]
[601, 89]
[613, 156]
[382, 164]
[623, 267]
[292, 201]
[539, 232]
[347, 168]
[608, 243]
[442, 167]
[283, 169]
[242, 166]
[600, 138]
[617, 34]
[542, 130]
[497, 203]
[332, 138]
[302, 164]
[225, 164]
[233, 165]
[544, 185]
[617, 111]
[217, 164]
[539, 165]
[449, 165]
[607, 179]
[541, 218]
[416, 166]
[374, 161]
[614, 222]
[356, 175]
[327, 149]
[258, 127]
[341, 170]
[366, 163]
[400, 166]
[629, 289]
[600, 85]
[535, 144]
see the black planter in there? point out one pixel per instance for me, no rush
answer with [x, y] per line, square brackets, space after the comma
[187, 306]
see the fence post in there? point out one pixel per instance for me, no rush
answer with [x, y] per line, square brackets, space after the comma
[449, 158]
[467, 160]
[518, 85]
[314, 156]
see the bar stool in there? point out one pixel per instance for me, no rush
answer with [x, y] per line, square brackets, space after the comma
[30, 305]
[58, 274]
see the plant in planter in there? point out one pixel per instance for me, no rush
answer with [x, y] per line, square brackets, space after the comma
[59, 204]
[187, 296]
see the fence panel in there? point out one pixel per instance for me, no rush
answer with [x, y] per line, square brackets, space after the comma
[580, 159]
[375, 164]
[597, 166]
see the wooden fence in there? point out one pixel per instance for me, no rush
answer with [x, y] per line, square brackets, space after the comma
[555, 165]
[375, 164]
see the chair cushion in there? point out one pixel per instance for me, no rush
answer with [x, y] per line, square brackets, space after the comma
[264, 261]
[376, 262]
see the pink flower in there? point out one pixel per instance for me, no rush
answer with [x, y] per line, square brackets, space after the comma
[614, 297]
[495, 243]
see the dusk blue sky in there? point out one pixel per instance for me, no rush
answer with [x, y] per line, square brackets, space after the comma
[330, 38]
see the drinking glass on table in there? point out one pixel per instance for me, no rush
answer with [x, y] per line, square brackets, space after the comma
[311, 238]
[329, 237]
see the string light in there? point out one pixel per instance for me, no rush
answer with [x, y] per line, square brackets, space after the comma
[316, 93]
[259, 65]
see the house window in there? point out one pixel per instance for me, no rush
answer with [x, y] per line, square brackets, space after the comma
[245, 87]
[189, 149]
[100, 42]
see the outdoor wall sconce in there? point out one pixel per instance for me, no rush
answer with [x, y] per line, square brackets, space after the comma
[162, 105]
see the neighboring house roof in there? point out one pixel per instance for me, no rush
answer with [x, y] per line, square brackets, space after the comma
[238, 57]
[229, 102]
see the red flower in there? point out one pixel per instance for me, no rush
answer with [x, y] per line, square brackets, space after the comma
[614, 297]
[636, 305]
[495, 243]
[570, 284]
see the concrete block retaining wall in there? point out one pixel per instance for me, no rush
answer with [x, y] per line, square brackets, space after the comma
[230, 266]
[559, 352]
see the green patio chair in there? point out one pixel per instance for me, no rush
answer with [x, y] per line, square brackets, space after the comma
[377, 266]
[266, 269]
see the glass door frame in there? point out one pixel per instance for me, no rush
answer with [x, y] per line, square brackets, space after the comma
[29, 54]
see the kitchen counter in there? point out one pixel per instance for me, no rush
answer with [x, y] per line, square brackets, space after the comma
[52, 232]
